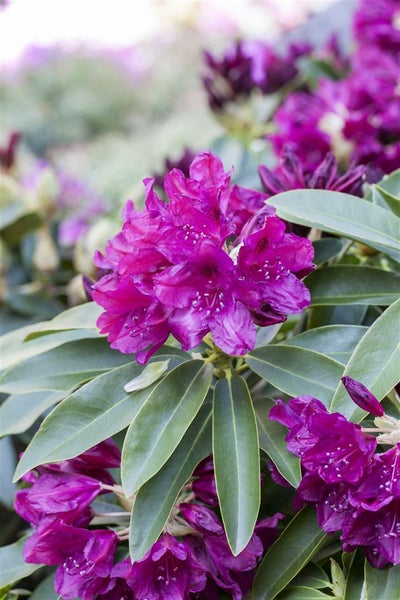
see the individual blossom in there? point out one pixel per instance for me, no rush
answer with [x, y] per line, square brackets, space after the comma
[290, 174]
[167, 571]
[248, 66]
[85, 572]
[171, 271]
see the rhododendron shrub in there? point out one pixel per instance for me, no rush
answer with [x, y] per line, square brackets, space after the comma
[221, 418]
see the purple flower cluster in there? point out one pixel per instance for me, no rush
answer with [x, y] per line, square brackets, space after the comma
[358, 116]
[354, 489]
[191, 559]
[184, 267]
[248, 66]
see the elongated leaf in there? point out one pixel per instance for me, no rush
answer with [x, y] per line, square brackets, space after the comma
[336, 341]
[343, 215]
[382, 584]
[375, 362]
[272, 441]
[19, 411]
[312, 576]
[236, 460]
[294, 548]
[303, 593]
[62, 368]
[45, 590]
[389, 189]
[355, 577]
[326, 248]
[14, 348]
[297, 371]
[83, 316]
[162, 420]
[7, 466]
[12, 564]
[156, 498]
[93, 413]
[353, 285]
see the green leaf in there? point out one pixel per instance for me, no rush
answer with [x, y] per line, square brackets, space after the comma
[45, 590]
[355, 576]
[14, 348]
[272, 440]
[335, 341]
[151, 373]
[297, 371]
[19, 411]
[343, 215]
[375, 362]
[62, 368]
[312, 576]
[352, 285]
[327, 248]
[12, 564]
[236, 460]
[93, 413]
[303, 593]
[294, 548]
[381, 583]
[83, 316]
[389, 189]
[156, 498]
[7, 466]
[162, 420]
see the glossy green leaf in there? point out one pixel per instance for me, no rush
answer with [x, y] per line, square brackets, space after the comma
[150, 374]
[303, 593]
[355, 576]
[162, 420]
[343, 215]
[236, 460]
[375, 362]
[336, 341]
[352, 285]
[272, 440]
[327, 248]
[294, 548]
[83, 316]
[389, 189]
[297, 371]
[156, 498]
[14, 348]
[381, 583]
[19, 411]
[12, 564]
[93, 413]
[62, 368]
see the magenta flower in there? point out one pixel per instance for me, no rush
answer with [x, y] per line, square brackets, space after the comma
[375, 24]
[170, 271]
[85, 571]
[62, 495]
[291, 175]
[327, 443]
[167, 571]
[248, 66]
[362, 396]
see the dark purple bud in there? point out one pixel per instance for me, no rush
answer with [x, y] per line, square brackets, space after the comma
[362, 396]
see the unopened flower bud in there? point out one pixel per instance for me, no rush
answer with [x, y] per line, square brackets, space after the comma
[45, 256]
